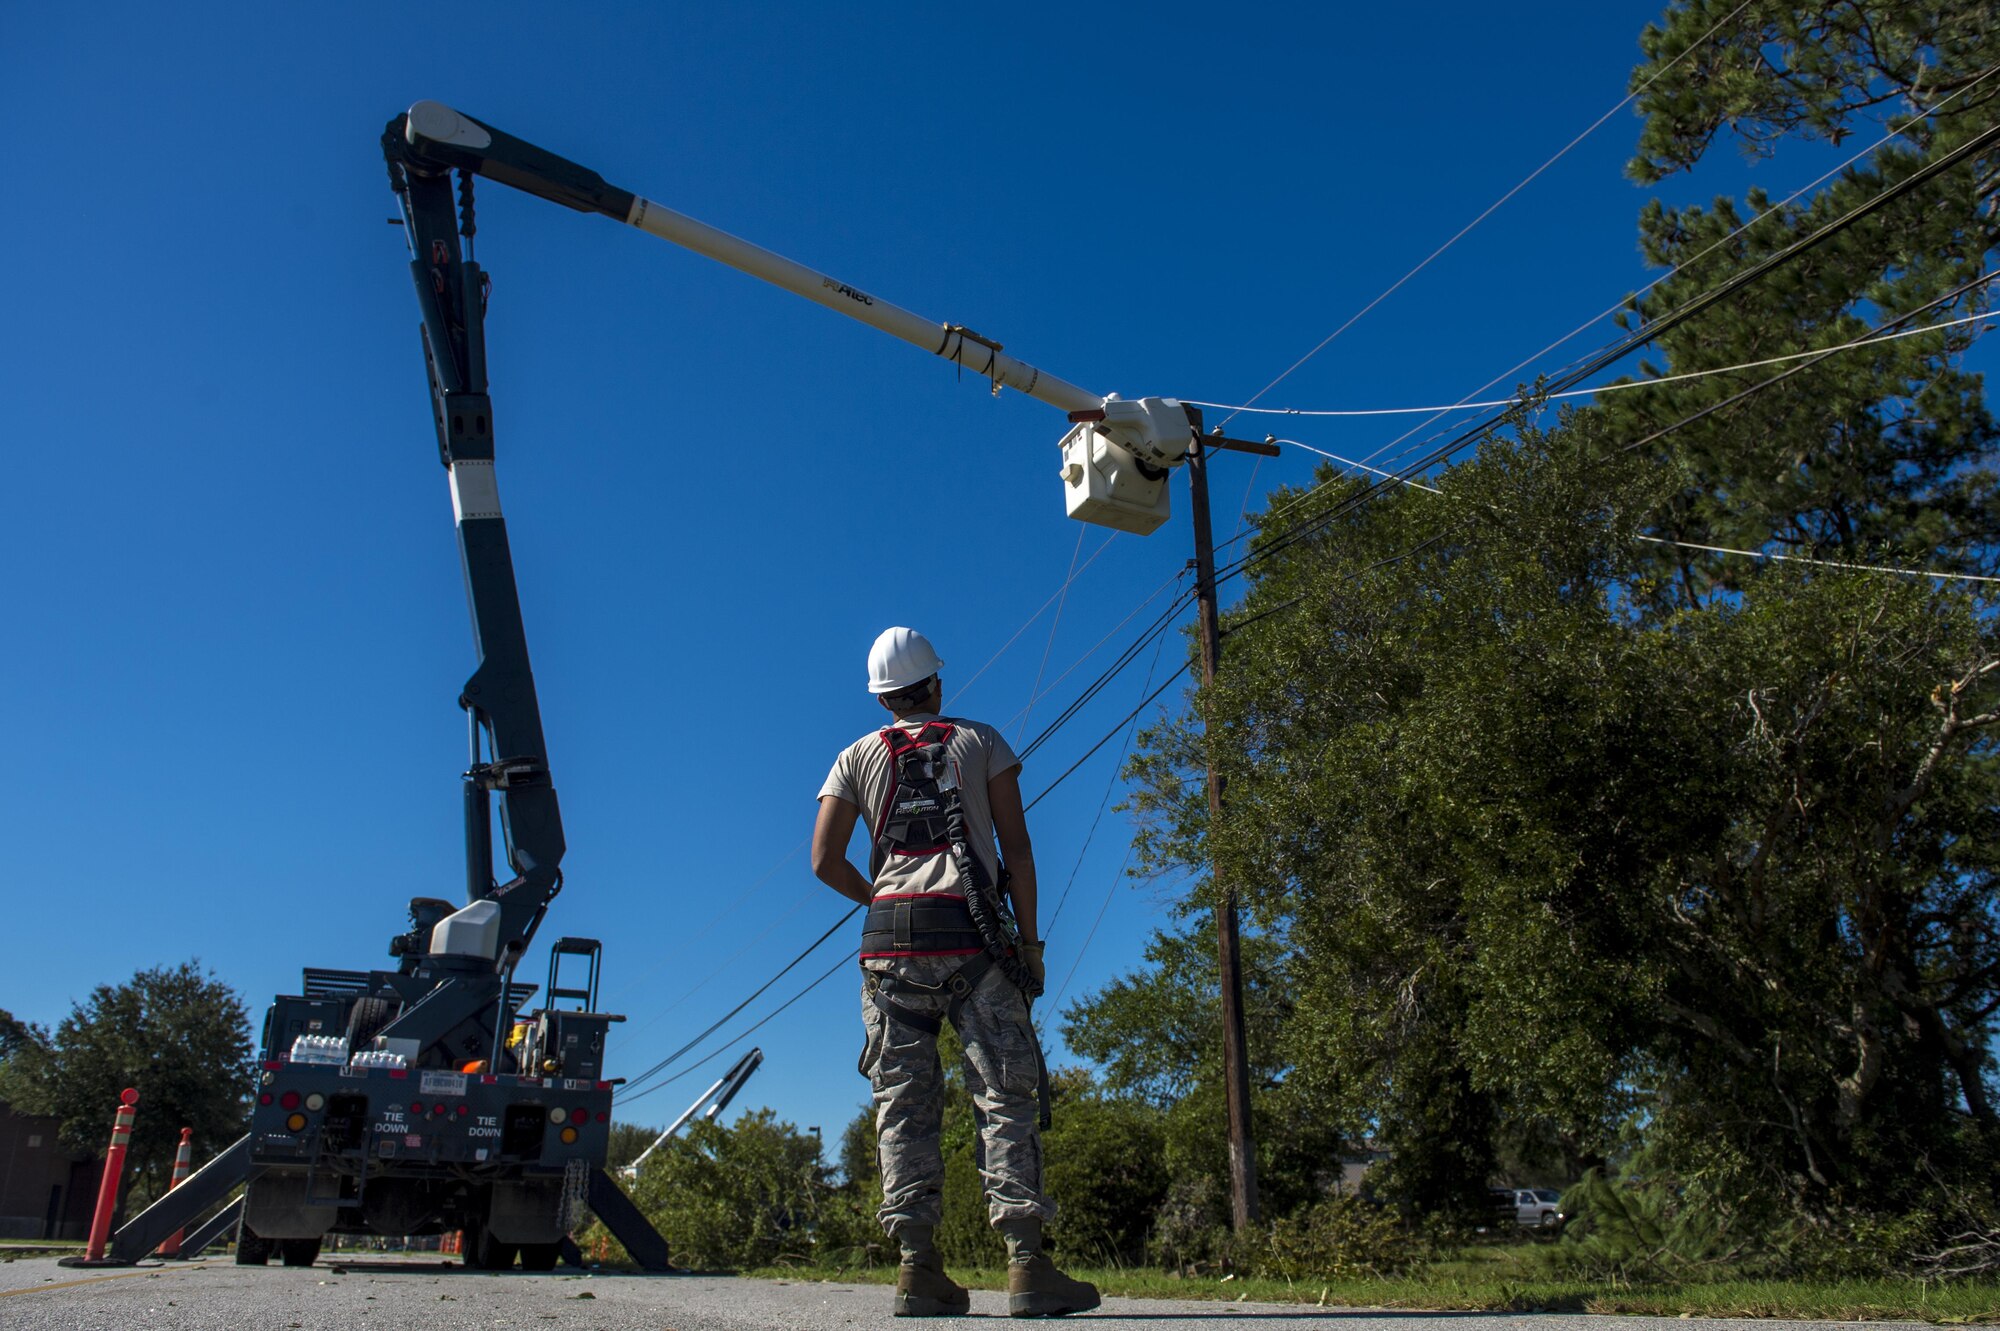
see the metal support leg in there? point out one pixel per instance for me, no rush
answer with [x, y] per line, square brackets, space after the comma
[223, 1222]
[627, 1223]
[203, 1189]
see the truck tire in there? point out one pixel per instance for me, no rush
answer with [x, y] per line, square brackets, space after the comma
[252, 1249]
[365, 1018]
[298, 1252]
[540, 1256]
[487, 1252]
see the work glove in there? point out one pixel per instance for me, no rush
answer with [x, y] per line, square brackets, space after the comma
[1031, 957]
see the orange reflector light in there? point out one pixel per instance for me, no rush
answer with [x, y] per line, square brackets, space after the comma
[568, 1136]
[296, 1122]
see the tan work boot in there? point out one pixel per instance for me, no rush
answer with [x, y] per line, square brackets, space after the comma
[1035, 1288]
[922, 1287]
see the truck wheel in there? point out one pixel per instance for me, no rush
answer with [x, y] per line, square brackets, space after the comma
[252, 1249]
[298, 1252]
[365, 1018]
[489, 1253]
[540, 1256]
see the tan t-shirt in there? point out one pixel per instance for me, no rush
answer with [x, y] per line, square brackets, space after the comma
[862, 777]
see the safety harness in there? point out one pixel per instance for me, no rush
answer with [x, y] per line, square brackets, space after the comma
[925, 816]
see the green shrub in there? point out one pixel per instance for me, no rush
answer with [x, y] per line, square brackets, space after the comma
[748, 1194]
[1105, 1163]
[1337, 1237]
[1624, 1228]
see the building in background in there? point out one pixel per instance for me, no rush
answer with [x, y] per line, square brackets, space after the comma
[1355, 1163]
[46, 1189]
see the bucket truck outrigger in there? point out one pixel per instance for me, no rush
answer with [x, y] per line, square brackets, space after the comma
[421, 1099]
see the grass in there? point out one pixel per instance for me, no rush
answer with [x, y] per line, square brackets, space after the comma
[1461, 1286]
[15, 1249]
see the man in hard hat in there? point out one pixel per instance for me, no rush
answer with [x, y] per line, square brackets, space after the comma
[936, 947]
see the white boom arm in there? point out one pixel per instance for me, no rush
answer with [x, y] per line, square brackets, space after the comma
[1116, 456]
[957, 344]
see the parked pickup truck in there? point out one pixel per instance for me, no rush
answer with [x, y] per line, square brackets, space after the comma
[1535, 1208]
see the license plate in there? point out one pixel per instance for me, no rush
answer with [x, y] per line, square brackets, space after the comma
[442, 1083]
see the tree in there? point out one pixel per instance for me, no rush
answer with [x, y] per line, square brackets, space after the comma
[17, 1035]
[179, 1035]
[1157, 1036]
[1414, 626]
[628, 1142]
[1868, 454]
[1572, 833]
[1547, 860]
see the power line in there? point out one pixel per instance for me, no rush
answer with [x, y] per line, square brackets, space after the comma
[1249, 485]
[1160, 625]
[1948, 296]
[1704, 300]
[726, 962]
[1682, 267]
[1650, 331]
[1112, 887]
[710, 1030]
[734, 905]
[1611, 388]
[1054, 624]
[1687, 263]
[1823, 563]
[1494, 206]
[1816, 358]
[1348, 462]
[1111, 633]
[1100, 744]
[754, 1028]
[1110, 890]
[1059, 592]
[1812, 357]
[1590, 365]
[1110, 784]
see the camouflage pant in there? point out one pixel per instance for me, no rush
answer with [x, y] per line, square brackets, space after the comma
[1001, 1070]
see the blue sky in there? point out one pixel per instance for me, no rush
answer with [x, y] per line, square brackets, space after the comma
[235, 623]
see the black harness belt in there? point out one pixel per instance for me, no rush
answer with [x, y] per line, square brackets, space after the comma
[929, 925]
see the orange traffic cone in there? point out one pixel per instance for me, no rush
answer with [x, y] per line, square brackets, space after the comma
[183, 1166]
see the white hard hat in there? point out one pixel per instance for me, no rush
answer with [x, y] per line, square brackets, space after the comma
[900, 657]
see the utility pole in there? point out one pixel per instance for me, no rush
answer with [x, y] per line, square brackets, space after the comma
[1235, 1057]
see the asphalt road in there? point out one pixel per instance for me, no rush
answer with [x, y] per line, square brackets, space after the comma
[36, 1294]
